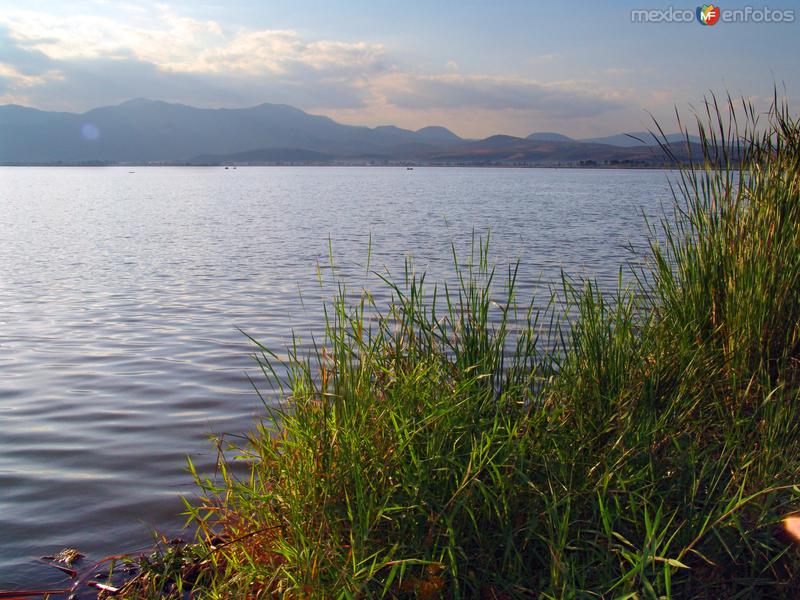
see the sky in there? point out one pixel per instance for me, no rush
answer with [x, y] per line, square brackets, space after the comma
[583, 69]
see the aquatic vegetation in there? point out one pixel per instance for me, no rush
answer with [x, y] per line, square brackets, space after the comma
[463, 443]
[67, 556]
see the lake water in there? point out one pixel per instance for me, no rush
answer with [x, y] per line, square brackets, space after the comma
[122, 295]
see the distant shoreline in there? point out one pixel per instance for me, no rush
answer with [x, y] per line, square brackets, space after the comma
[145, 132]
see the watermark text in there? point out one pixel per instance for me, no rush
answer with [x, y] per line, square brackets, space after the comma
[710, 14]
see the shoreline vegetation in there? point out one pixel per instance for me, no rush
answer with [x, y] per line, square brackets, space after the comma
[465, 443]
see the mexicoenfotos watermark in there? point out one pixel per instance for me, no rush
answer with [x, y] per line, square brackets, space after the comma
[711, 14]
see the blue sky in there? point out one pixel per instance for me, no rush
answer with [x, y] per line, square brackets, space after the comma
[580, 68]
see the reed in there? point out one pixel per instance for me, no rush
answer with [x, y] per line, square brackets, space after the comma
[462, 443]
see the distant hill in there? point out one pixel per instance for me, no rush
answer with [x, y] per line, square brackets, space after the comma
[148, 131]
[624, 140]
[548, 136]
[152, 131]
[434, 133]
[639, 138]
[507, 149]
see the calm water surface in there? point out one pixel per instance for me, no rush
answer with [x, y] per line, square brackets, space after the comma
[121, 295]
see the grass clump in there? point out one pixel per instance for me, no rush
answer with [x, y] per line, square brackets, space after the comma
[647, 447]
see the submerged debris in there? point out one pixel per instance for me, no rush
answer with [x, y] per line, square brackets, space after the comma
[106, 577]
[67, 556]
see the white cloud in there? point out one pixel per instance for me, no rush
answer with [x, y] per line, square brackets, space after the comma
[281, 51]
[618, 71]
[563, 99]
[543, 58]
[183, 44]
[77, 62]
[10, 74]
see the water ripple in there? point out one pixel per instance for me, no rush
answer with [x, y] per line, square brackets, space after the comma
[121, 299]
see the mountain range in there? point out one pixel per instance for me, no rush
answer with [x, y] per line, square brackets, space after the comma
[147, 131]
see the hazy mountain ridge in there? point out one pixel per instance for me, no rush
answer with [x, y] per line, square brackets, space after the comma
[549, 136]
[640, 138]
[149, 131]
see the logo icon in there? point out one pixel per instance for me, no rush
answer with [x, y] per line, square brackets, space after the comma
[708, 14]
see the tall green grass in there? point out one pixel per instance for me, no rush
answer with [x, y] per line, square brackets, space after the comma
[460, 443]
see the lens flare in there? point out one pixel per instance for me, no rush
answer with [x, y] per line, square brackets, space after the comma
[90, 132]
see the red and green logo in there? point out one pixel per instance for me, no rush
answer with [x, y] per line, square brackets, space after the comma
[708, 14]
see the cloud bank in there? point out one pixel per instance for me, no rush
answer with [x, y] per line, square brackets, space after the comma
[81, 62]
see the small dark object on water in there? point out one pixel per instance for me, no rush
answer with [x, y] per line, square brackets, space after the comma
[67, 556]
